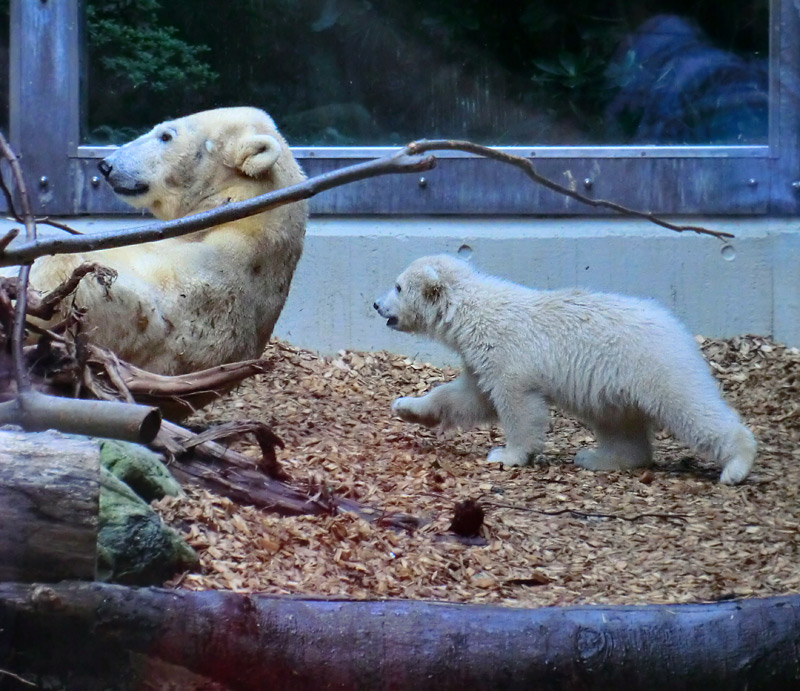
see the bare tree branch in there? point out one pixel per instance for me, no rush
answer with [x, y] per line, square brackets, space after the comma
[399, 162]
[9, 237]
[21, 307]
[35, 411]
[15, 215]
[16, 677]
[589, 514]
[46, 220]
[409, 159]
[406, 160]
[46, 307]
[526, 166]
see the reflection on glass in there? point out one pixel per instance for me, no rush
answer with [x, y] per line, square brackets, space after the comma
[383, 72]
[4, 44]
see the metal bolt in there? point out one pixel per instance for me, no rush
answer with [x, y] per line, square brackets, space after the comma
[752, 182]
[423, 182]
[95, 181]
[43, 181]
[587, 183]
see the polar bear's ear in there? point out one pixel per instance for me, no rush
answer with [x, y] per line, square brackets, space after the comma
[255, 154]
[432, 285]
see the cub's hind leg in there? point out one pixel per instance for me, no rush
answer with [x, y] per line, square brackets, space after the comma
[524, 416]
[623, 444]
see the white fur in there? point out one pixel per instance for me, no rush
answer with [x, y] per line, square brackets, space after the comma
[212, 297]
[620, 364]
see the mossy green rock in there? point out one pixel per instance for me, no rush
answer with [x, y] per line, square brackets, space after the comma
[139, 468]
[134, 546]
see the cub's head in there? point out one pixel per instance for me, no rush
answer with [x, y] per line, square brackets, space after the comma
[196, 162]
[425, 295]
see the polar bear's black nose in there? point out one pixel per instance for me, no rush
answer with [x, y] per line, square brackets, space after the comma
[375, 305]
[105, 168]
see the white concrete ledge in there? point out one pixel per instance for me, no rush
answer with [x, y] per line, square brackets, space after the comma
[750, 285]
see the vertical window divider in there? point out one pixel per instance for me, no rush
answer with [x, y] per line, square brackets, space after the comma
[46, 40]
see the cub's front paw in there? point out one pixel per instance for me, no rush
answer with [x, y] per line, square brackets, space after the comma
[509, 457]
[411, 409]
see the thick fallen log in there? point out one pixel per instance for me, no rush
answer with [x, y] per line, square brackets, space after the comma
[65, 515]
[111, 633]
[49, 493]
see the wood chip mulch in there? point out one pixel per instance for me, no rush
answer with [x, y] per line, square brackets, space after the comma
[552, 534]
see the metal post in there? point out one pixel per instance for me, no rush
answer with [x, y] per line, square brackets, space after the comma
[44, 99]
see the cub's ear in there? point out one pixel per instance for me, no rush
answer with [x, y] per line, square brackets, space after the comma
[255, 154]
[432, 284]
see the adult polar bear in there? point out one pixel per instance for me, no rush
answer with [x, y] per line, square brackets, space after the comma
[618, 363]
[211, 297]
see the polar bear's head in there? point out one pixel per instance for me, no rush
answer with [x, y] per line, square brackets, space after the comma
[200, 161]
[424, 295]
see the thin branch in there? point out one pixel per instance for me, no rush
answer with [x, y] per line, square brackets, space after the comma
[46, 220]
[16, 677]
[406, 160]
[588, 514]
[8, 238]
[46, 307]
[12, 210]
[35, 411]
[9, 200]
[399, 162]
[21, 307]
[526, 166]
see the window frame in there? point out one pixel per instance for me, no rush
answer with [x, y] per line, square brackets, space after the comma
[46, 111]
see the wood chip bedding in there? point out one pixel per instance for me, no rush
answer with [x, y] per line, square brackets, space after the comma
[553, 534]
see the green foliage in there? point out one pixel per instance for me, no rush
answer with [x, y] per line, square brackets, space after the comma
[151, 57]
[345, 72]
[134, 56]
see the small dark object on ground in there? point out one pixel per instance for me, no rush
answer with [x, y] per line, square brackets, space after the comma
[467, 518]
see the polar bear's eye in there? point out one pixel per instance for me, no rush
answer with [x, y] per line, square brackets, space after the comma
[166, 136]
[397, 287]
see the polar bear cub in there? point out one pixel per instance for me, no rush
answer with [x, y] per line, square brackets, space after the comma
[620, 364]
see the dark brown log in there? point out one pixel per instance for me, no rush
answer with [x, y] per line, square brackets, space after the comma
[239, 478]
[49, 493]
[256, 642]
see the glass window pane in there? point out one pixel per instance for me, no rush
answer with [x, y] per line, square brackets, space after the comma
[4, 52]
[383, 72]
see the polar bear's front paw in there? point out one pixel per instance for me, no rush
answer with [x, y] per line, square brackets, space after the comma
[411, 409]
[736, 471]
[509, 457]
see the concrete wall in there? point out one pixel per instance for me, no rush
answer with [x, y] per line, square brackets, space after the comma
[749, 285]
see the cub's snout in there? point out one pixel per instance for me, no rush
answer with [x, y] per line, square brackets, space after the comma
[384, 309]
